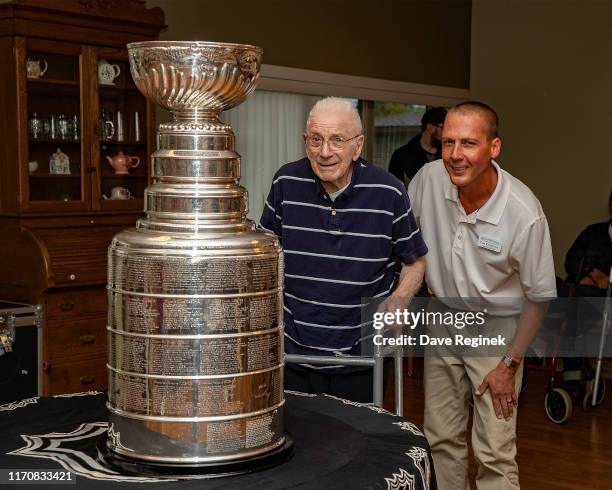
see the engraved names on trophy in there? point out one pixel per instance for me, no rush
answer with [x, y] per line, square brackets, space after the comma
[170, 397]
[128, 393]
[234, 435]
[258, 431]
[220, 396]
[195, 397]
[190, 204]
[192, 357]
[155, 315]
[199, 275]
[260, 350]
[224, 437]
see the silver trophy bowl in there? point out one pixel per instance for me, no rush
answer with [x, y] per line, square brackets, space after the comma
[195, 79]
[195, 356]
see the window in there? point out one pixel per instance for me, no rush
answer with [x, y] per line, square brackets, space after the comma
[268, 128]
[394, 125]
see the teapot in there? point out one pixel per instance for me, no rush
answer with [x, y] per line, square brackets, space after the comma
[107, 72]
[33, 68]
[119, 193]
[122, 163]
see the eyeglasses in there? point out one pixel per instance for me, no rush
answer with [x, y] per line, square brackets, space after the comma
[317, 141]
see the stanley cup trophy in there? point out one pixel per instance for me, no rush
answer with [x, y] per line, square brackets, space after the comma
[195, 337]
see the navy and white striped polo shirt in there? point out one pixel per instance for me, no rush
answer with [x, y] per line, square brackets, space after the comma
[337, 253]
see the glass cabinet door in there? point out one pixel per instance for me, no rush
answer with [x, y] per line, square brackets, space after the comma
[122, 135]
[55, 155]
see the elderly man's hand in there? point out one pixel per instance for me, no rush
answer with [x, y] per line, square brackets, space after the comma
[393, 303]
[500, 383]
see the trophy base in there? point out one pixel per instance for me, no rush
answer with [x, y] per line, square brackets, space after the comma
[177, 471]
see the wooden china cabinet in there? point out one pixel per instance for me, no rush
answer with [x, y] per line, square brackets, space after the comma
[68, 108]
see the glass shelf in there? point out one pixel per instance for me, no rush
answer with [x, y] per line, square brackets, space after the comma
[53, 81]
[122, 143]
[53, 90]
[54, 176]
[55, 141]
[130, 176]
[110, 89]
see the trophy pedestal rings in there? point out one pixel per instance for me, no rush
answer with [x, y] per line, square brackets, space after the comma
[127, 466]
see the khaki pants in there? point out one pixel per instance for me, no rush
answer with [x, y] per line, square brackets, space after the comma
[449, 385]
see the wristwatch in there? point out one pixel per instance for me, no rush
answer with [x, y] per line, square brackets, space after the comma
[510, 362]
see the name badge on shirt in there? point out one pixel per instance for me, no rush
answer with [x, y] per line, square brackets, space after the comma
[489, 243]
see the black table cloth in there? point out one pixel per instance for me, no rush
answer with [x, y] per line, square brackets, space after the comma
[338, 444]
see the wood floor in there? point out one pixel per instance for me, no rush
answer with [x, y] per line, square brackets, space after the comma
[576, 455]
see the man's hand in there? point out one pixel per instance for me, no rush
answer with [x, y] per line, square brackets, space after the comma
[500, 383]
[392, 304]
[595, 278]
[410, 281]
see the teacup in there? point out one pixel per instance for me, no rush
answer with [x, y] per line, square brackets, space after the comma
[121, 193]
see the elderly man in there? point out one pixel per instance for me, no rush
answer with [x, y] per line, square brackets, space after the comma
[489, 242]
[342, 223]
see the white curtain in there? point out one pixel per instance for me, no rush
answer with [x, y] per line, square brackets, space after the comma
[268, 128]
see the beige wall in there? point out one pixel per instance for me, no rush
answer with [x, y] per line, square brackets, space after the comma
[545, 67]
[421, 41]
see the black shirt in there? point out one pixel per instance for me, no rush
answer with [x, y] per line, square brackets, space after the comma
[591, 250]
[407, 160]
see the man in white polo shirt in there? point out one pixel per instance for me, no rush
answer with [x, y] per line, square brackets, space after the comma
[488, 241]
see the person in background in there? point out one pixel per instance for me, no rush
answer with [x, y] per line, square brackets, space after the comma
[587, 264]
[589, 259]
[342, 223]
[425, 147]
